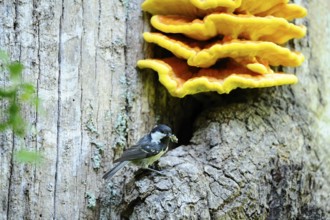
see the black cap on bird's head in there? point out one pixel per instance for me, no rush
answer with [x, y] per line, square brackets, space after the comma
[162, 128]
[160, 131]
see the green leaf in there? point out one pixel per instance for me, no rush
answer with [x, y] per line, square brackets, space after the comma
[25, 96]
[25, 156]
[28, 93]
[15, 70]
[13, 95]
[3, 126]
[16, 120]
[27, 87]
[7, 93]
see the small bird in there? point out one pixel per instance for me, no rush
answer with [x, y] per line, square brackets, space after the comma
[147, 150]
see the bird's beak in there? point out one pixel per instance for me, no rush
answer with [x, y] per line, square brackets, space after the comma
[173, 138]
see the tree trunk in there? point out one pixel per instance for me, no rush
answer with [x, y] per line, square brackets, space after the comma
[258, 153]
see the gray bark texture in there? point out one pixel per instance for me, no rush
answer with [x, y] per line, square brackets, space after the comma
[252, 154]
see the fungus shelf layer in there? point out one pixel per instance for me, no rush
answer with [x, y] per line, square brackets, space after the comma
[201, 54]
[200, 8]
[277, 30]
[191, 8]
[181, 80]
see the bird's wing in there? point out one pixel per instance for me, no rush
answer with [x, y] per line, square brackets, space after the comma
[139, 151]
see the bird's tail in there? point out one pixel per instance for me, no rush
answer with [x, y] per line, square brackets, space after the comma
[114, 170]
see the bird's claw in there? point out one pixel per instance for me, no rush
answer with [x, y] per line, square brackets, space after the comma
[156, 171]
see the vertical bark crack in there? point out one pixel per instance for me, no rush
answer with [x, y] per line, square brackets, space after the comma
[37, 30]
[10, 176]
[59, 105]
[13, 136]
[126, 72]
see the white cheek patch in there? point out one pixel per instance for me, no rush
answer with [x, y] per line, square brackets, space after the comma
[157, 136]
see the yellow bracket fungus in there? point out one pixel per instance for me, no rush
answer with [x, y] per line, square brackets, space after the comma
[200, 54]
[181, 79]
[220, 45]
[273, 29]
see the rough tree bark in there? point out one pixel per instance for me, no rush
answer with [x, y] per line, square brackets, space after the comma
[258, 154]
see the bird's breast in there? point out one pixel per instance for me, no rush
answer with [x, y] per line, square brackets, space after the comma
[149, 160]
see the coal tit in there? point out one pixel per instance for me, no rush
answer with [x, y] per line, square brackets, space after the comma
[147, 150]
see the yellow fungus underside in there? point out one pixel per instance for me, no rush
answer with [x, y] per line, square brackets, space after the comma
[249, 27]
[181, 80]
[203, 55]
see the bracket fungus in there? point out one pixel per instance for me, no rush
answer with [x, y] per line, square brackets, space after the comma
[220, 45]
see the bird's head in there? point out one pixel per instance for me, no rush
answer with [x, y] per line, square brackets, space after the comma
[162, 131]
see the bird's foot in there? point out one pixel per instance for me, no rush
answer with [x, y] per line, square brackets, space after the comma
[155, 171]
